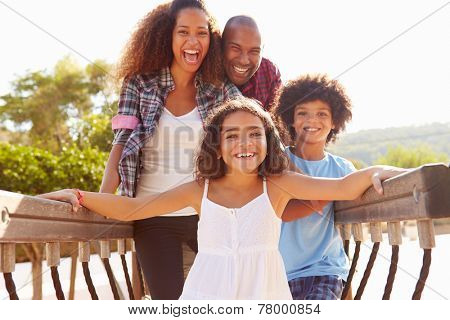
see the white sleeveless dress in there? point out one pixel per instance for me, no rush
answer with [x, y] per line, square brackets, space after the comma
[238, 256]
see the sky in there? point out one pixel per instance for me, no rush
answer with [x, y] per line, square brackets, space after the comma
[391, 56]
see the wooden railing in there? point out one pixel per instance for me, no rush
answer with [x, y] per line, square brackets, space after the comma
[421, 195]
[26, 219]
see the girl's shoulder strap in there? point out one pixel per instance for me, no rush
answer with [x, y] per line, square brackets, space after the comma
[264, 184]
[205, 189]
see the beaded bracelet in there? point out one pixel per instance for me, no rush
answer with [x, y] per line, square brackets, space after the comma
[80, 195]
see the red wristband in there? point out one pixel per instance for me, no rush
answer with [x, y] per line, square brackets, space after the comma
[80, 195]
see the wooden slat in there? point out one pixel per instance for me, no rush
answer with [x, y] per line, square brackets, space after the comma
[423, 193]
[394, 233]
[84, 251]
[105, 249]
[121, 246]
[376, 234]
[426, 234]
[32, 219]
[53, 253]
[7, 257]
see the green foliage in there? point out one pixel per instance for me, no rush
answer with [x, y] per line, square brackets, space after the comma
[50, 107]
[95, 131]
[31, 170]
[369, 145]
[411, 158]
[62, 128]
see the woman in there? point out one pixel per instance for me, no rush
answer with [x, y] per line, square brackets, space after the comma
[173, 76]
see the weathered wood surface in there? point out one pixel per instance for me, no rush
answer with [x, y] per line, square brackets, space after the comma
[31, 219]
[423, 193]
[7, 257]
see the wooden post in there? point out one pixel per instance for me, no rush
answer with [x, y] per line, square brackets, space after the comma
[426, 234]
[137, 292]
[346, 231]
[52, 252]
[34, 254]
[346, 234]
[7, 257]
[84, 251]
[357, 232]
[375, 232]
[105, 253]
[73, 272]
[394, 233]
[105, 249]
[121, 246]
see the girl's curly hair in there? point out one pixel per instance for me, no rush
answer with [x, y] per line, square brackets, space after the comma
[150, 47]
[310, 88]
[208, 166]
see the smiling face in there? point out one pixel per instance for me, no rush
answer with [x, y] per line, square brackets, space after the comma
[242, 52]
[243, 144]
[190, 39]
[312, 122]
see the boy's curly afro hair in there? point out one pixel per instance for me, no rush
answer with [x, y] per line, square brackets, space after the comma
[311, 88]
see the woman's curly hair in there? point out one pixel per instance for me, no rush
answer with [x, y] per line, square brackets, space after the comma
[150, 47]
[310, 88]
[209, 166]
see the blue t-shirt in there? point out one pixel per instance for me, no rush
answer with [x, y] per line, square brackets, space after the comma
[312, 246]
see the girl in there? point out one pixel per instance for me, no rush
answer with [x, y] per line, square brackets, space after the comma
[242, 187]
[173, 77]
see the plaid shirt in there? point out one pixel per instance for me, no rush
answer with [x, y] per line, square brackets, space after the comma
[264, 84]
[141, 103]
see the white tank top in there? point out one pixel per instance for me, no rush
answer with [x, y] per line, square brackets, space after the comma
[168, 156]
[238, 256]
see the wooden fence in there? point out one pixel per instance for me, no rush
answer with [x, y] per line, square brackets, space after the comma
[421, 195]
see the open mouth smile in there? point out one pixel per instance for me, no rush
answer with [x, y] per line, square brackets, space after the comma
[247, 155]
[239, 70]
[191, 56]
[311, 129]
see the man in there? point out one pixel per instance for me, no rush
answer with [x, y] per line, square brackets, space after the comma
[256, 77]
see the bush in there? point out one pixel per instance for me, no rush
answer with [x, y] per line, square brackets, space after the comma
[30, 170]
[411, 158]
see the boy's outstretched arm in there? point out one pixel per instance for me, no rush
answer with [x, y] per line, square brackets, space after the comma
[297, 186]
[125, 208]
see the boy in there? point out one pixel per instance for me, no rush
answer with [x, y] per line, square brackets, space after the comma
[314, 109]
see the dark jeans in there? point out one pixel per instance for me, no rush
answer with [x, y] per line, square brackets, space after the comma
[159, 250]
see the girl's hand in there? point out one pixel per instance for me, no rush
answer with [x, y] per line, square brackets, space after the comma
[66, 195]
[382, 173]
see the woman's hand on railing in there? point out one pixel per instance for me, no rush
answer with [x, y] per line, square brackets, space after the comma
[66, 195]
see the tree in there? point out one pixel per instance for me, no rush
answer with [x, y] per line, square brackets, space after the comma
[411, 158]
[49, 107]
[95, 131]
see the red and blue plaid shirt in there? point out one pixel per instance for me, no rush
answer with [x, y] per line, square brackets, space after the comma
[264, 84]
[141, 103]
